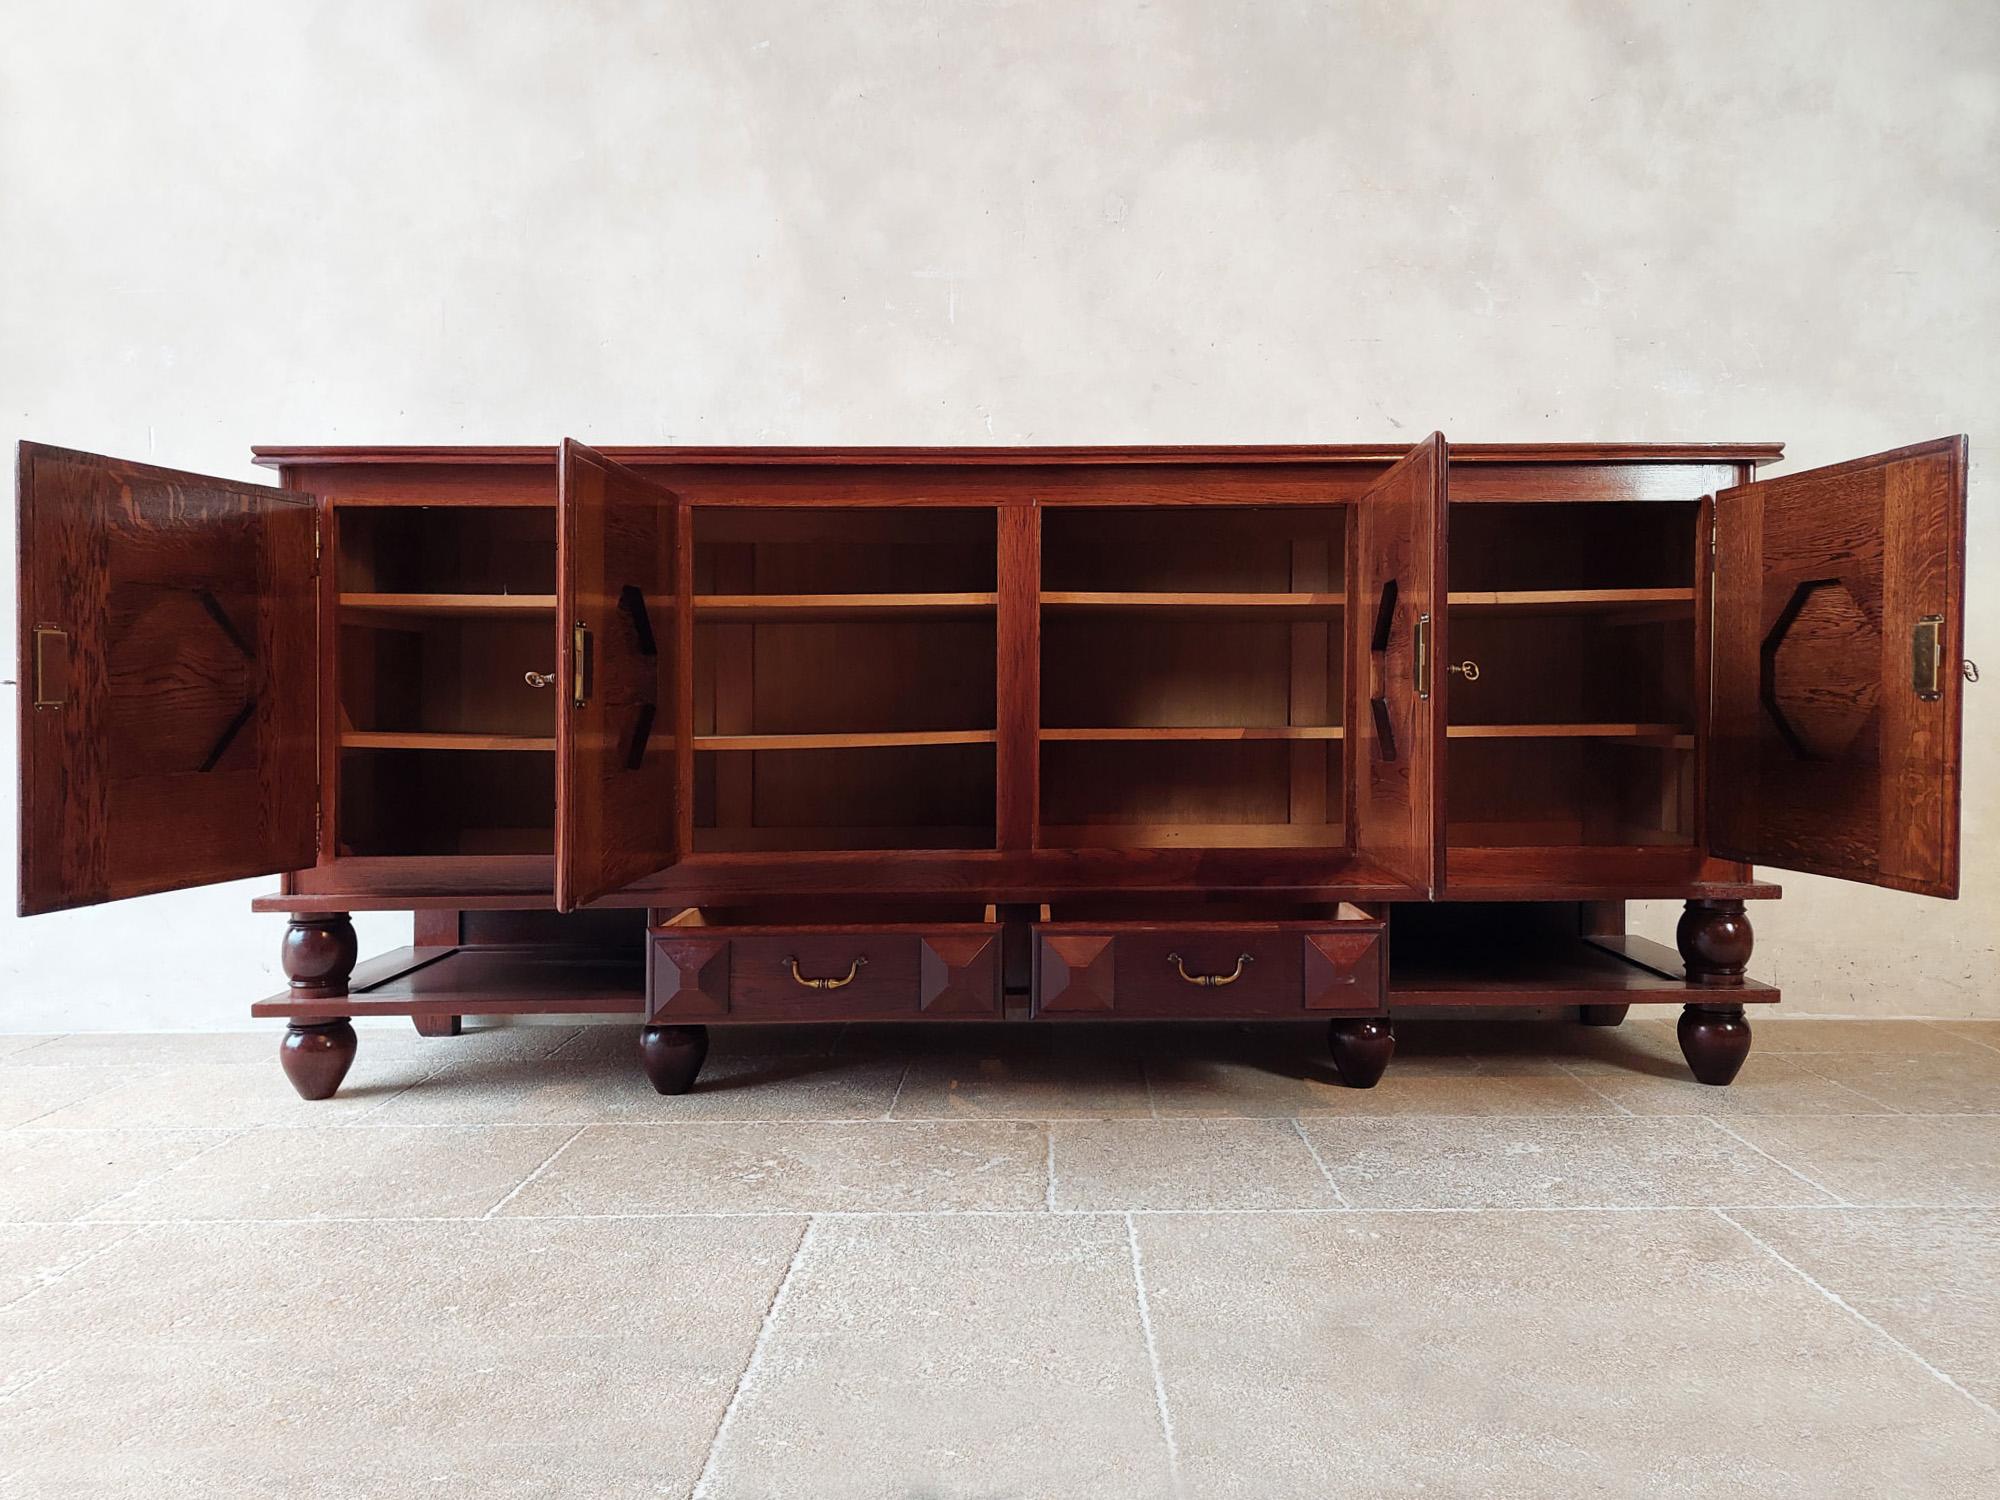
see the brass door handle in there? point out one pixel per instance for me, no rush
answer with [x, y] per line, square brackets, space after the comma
[826, 984]
[1927, 658]
[580, 673]
[1210, 981]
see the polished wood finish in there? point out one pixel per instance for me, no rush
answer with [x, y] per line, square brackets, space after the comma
[318, 955]
[1190, 969]
[1396, 580]
[623, 591]
[1826, 757]
[168, 679]
[1715, 942]
[1715, 1039]
[316, 1056]
[1150, 701]
[672, 1055]
[1361, 1049]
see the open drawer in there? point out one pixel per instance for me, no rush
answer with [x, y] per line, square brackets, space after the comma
[737, 966]
[1311, 962]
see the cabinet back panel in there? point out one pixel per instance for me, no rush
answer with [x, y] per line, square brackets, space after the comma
[1586, 545]
[1579, 668]
[1194, 548]
[1213, 793]
[446, 802]
[447, 550]
[835, 676]
[883, 797]
[1124, 670]
[1569, 793]
[448, 676]
[833, 551]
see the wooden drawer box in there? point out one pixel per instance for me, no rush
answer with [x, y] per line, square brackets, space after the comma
[697, 971]
[1218, 970]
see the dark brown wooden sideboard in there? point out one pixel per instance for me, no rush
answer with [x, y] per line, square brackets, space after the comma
[733, 735]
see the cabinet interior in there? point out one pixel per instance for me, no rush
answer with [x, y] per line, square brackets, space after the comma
[1191, 676]
[1573, 674]
[844, 678]
[1192, 680]
[445, 747]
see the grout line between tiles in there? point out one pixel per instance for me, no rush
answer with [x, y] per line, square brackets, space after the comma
[83, 1098]
[1049, 1168]
[1818, 1186]
[753, 1367]
[1934, 1025]
[1849, 1308]
[546, 1162]
[1146, 1077]
[46, 1282]
[1614, 1101]
[575, 1032]
[1298, 1128]
[37, 1378]
[147, 1181]
[1153, 1355]
[897, 1097]
[1859, 1093]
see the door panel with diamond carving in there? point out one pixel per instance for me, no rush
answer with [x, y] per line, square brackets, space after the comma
[1839, 610]
[168, 681]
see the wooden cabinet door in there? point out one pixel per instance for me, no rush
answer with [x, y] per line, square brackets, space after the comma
[168, 679]
[1839, 615]
[1395, 632]
[623, 736]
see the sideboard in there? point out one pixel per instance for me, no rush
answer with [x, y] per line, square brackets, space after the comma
[730, 736]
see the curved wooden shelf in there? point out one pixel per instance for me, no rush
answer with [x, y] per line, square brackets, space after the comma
[1256, 604]
[772, 607]
[860, 741]
[370, 739]
[449, 605]
[1200, 732]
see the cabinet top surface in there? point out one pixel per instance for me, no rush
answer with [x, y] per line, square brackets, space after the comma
[279, 455]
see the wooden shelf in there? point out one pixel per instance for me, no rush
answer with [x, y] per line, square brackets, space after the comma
[1576, 973]
[1262, 605]
[1192, 836]
[861, 741]
[755, 607]
[368, 739]
[1568, 601]
[529, 979]
[1199, 732]
[1674, 735]
[470, 605]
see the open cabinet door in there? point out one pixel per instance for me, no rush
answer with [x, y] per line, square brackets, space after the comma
[1395, 633]
[1839, 615]
[168, 679]
[623, 612]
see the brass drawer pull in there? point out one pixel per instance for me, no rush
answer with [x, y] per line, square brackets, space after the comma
[826, 984]
[1212, 981]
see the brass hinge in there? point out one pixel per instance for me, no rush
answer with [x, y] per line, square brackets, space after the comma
[1421, 666]
[319, 532]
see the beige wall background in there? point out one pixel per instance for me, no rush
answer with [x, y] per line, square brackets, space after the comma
[227, 223]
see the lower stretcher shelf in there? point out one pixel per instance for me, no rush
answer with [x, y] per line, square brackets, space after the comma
[1582, 971]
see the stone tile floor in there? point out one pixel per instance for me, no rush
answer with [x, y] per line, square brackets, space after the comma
[1537, 1260]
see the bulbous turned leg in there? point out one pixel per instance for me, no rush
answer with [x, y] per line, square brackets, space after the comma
[316, 1056]
[1715, 941]
[1714, 1039]
[318, 955]
[438, 1025]
[672, 1055]
[1362, 1048]
[1602, 1015]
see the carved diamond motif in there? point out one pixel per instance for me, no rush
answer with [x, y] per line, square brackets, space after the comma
[1822, 663]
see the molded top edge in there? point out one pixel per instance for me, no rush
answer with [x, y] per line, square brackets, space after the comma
[280, 454]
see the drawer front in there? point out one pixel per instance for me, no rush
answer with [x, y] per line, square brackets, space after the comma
[849, 974]
[1216, 971]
